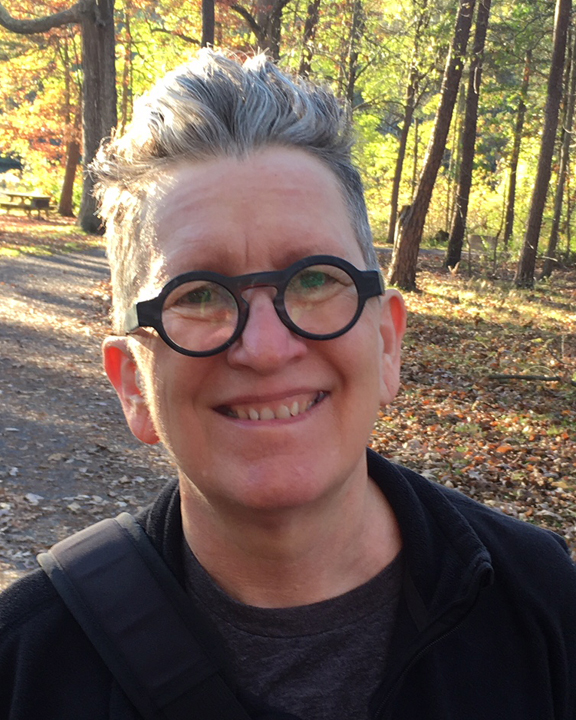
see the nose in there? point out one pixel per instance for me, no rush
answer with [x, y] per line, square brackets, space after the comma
[266, 344]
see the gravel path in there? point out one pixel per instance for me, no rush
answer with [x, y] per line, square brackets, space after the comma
[66, 456]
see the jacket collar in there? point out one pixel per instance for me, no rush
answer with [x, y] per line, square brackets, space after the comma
[446, 561]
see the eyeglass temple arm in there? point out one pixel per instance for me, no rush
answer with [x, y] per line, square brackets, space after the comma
[376, 283]
[131, 320]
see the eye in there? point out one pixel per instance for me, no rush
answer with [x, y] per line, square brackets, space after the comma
[319, 281]
[312, 279]
[199, 296]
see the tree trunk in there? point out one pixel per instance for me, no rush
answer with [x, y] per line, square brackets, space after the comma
[409, 108]
[72, 121]
[456, 241]
[550, 260]
[356, 32]
[310, 26]
[569, 208]
[266, 24]
[402, 270]
[126, 89]
[65, 206]
[525, 273]
[415, 158]
[99, 97]
[406, 123]
[208, 23]
[455, 155]
[515, 156]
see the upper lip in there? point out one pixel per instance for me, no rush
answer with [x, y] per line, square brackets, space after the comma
[272, 397]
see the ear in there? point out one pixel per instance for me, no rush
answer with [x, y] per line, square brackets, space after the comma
[392, 328]
[124, 375]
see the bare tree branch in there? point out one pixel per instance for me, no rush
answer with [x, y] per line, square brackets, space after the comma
[250, 19]
[39, 25]
[186, 38]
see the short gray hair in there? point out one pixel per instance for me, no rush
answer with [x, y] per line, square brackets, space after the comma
[214, 107]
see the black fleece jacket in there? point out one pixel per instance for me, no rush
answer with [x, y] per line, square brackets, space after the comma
[486, 626]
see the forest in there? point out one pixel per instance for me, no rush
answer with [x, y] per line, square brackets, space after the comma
[463, 109]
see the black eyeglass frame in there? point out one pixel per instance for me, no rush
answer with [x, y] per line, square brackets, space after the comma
[148, 313]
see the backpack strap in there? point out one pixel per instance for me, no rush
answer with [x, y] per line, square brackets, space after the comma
[137, 616]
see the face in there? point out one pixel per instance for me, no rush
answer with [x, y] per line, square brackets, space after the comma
[276, 421]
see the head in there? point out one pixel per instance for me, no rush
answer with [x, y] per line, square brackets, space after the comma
[239, 170]
[214, 107]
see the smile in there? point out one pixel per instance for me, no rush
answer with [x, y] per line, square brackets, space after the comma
[281, 410]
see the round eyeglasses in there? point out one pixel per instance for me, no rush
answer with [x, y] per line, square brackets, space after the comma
[202, 313]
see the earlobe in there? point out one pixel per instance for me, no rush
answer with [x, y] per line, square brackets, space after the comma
[124, 375]
[392, 329]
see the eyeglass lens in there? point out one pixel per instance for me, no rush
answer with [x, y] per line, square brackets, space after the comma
[202, 315]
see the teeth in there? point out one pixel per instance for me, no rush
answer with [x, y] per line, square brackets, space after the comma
[282, 412]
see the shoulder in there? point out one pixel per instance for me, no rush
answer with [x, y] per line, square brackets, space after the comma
[28, 600]
[48, 667]
[523, 556]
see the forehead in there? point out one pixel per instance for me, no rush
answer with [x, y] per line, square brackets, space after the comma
[239, 215]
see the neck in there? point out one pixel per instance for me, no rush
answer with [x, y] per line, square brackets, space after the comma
[297, 556]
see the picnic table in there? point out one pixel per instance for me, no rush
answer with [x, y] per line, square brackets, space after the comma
[11, 200]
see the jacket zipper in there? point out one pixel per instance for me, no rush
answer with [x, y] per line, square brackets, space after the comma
[381, 707]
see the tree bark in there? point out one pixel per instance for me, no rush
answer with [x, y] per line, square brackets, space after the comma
[515, 156]
[402, 270]
[72, 122]
[99, 97]
[126, 87]
[567, 134]
[525, 272]
[356, 32]
[456, 240]
[65, 206]
[310, 25]
[409, 108]
[207, 23]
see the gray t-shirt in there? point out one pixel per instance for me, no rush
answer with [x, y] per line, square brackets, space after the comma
[318, 662]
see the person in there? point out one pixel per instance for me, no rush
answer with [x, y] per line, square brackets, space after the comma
[254, 339]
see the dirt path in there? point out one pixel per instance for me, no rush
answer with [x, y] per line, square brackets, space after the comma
[66, 456]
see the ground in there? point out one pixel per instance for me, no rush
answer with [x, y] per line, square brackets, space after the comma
[67, 458]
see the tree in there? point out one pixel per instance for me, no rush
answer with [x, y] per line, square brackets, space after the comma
[265, 23]
[525, 272]
[98, 96]
[72, 118]
[402, 271]
[414, 79]
[567, 134]
[456, 240]
[207, 22]
[515, 155]
[309, 35]
[96, 19]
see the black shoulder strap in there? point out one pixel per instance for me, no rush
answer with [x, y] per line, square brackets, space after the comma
[134, 612]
